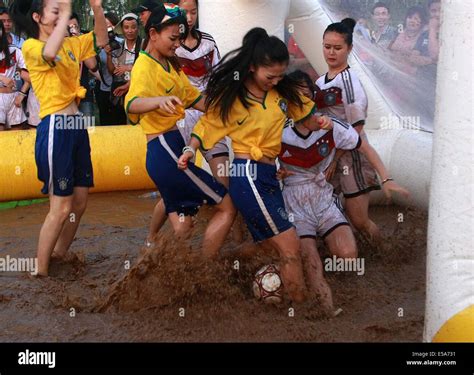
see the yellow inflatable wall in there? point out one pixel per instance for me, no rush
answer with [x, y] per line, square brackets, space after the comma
[118, 157]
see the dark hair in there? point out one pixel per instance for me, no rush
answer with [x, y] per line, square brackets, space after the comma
[345, 28]
[3, 9]
[430, 3]
[4, 47]
[303, 79]
[154, 22]
[417, 10]
[21, 12]
[380, 4]
[192, 31]
[112, 17]
[258, 49]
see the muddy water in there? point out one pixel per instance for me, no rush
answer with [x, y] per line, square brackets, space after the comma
[114, 292]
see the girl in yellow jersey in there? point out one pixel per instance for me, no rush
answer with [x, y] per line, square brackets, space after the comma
[249, 98]
[158, 96]
[62, 148]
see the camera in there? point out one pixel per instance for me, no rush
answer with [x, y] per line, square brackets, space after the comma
[114, 45]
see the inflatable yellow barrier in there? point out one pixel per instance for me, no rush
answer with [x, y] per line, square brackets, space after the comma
[118, 157]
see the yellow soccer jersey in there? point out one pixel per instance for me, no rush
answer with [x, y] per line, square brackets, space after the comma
[56, 84]
[256, 130]
[150, 79]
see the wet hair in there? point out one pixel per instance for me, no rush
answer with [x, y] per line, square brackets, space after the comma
[380, 4]
[4, 47]
[21, 12]
[112, 17]
[226, 79]
[417, 10]
[154, 22]
[303, 80]
[345, 28]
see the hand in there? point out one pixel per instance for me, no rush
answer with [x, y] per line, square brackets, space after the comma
[122, 69]
[108, 49]
[330, 170]
[18, 100]
[183, 160]
[168, 103]
[392, 187]
[284, 173]
[95, 3]
[121, 90]
[8, 82]
[64, 7]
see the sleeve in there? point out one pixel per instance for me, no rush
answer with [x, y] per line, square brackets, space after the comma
[217, 56]
[209, 129]
[298, 113]
[33, 56]
[87, 46]
[139, 88]
[355, 99]
[191, 93]
[20, 60]
[345, 136]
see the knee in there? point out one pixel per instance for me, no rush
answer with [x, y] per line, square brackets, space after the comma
[78, 208]
[347, 251]
[60, 214]
[182, 230]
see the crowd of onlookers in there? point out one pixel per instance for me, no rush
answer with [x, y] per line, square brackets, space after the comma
[411, 48]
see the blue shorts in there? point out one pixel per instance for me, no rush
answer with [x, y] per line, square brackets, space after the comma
[256, 193]
[185, 191]
[63, 154]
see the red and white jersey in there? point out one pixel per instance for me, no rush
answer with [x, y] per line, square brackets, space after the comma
[16, 63]
[197, 62]
[309, 156]
[342, 97]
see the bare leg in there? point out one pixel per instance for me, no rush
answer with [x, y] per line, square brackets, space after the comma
[218, 227]
[341, 242]
[357, 210]
[314, 273]
[288, 246]
[219, 169]
[79, 204]
[181, 225]
[59, 210]
[158, 219]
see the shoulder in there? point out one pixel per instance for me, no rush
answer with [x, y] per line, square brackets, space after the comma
[205, 37]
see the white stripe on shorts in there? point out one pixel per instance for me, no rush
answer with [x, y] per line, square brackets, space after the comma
[199, 183]
[50, 153]
[259, 199]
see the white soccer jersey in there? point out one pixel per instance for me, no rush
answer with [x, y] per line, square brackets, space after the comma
[197, 62]
[309, 156]
[16, 63]
[343, 97]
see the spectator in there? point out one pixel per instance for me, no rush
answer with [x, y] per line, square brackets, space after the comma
[383, 33]
[13, 39]
[107, 112]
[87, 104]
[144, 10]
[11, 60]
[120, 63]
[405, 43]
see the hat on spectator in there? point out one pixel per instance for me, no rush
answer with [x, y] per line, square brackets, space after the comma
[146, 5]
[127, 16]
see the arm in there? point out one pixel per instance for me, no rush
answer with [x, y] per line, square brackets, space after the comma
[56, 38]
[144, 105]
[100, 27]
[201, 105]
[110, 63]
[189, 153]
[388, 185]
[91, 64]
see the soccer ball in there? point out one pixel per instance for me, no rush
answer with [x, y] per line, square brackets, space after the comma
[267, 284]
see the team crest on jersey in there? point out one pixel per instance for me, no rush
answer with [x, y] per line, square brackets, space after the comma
[324, 149]
[330, 99]
[283, 104]
[71, 55]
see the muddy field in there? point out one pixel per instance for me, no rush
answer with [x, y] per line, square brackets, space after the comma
[113, 292]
